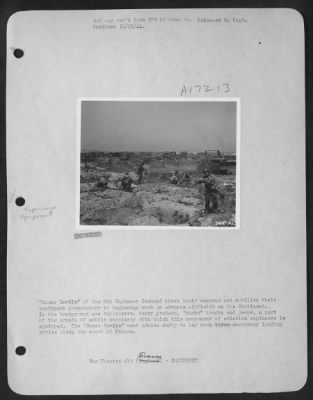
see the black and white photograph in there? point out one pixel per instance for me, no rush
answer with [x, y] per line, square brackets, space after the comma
[159, 163]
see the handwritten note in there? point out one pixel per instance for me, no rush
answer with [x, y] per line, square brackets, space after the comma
[205, 89]
[35, 213]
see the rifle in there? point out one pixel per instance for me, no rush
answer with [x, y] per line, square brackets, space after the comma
[214, 190]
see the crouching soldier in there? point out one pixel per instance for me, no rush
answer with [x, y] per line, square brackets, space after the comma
[174, 178]
[186, 178]
[126, 182]
[102, 183]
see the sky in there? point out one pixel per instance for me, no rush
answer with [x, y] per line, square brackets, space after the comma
[158, 126]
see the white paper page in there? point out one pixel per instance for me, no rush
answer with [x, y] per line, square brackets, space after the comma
[118, 285]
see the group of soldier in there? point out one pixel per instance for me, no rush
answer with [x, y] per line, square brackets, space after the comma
[211, 193]
[126, 180]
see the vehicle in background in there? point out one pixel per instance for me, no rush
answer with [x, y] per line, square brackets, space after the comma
[217, 161]
[230, 158]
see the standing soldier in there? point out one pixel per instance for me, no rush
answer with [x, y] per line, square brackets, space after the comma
[210, 191]
[140, 171]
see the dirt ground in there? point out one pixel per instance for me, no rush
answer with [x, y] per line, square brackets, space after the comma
[155, 201]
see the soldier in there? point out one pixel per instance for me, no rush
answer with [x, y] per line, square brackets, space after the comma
[210, 191]
[140, 171]
[102, 183]
[174, 178]
[186, 178]
[126, 182]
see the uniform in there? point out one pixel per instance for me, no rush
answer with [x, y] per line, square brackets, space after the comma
[174, 178]
[210, 191]
[126, 182]
[140, 171]
[102, 183]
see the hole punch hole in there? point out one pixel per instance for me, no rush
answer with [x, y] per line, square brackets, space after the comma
[20, 201]
[18, 53]
[20, 350]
